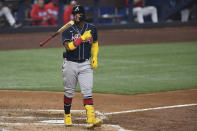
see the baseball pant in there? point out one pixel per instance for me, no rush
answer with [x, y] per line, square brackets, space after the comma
[74, 72]
[141, 12]
[6, 11]
[185, 15]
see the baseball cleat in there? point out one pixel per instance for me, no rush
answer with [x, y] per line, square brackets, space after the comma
[98, 122]
[67, 120]
[91, 120]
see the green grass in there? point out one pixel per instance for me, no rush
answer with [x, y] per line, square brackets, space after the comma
[124, 69]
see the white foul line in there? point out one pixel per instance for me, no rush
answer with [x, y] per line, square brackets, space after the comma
[149, 109]
[59, 122]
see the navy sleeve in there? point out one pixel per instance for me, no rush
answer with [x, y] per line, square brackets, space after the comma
[66, 36]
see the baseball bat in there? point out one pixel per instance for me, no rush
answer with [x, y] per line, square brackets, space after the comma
[63, 28]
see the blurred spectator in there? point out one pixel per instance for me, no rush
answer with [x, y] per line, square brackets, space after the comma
[140, 10]
[5, 11]
[185, 13]
[40, 15]
[67, 16]
[52, 8]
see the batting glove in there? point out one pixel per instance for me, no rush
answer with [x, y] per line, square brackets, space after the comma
[94, 63]
[86, 35]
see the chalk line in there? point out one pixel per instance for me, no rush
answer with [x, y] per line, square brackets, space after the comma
[150, 109]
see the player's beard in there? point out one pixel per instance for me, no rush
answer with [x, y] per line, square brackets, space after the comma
[77, 22]
[81, 19]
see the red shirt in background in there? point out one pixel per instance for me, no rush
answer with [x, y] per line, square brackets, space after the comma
[137, 4]
[39, 14]
[67, 16]
[53, 12]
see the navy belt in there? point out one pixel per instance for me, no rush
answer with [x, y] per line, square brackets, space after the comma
[78, 61]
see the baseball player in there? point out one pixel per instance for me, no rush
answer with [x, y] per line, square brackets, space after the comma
[140, 10]
[52, 8]
[5, 11]
[40, 14]
[67, 16]
[80, 41]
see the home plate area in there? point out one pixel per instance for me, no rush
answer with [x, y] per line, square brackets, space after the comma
[163, 111]
[49, 120]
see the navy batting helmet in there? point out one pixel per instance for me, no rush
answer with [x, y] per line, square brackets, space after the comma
[78, 9]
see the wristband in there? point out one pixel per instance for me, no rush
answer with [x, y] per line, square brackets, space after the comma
[78, 41]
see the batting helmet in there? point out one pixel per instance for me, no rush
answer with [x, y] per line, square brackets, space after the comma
[78, 9]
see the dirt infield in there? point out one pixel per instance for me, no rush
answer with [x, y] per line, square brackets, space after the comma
[43, 111]
[174, 110]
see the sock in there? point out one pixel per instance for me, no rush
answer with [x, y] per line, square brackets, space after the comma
[67, 104]
[88, 101]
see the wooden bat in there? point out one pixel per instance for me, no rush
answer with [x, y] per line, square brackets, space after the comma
[63, 28]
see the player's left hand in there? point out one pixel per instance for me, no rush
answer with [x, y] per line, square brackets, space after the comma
[86, 35]
[94, 63]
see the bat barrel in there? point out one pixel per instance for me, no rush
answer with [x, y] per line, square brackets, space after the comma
[66, 26]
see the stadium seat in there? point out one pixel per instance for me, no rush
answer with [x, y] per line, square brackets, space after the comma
[106, 15]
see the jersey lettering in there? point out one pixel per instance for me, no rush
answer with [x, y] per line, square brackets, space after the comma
[42, 14]
[76, 36]
[52, 12]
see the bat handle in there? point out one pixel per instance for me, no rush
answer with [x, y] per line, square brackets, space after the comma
[49, 38]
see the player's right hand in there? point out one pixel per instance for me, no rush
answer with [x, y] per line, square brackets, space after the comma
[86, 35]
[94, 63]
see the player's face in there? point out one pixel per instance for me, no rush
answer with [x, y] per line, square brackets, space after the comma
[77, 17]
